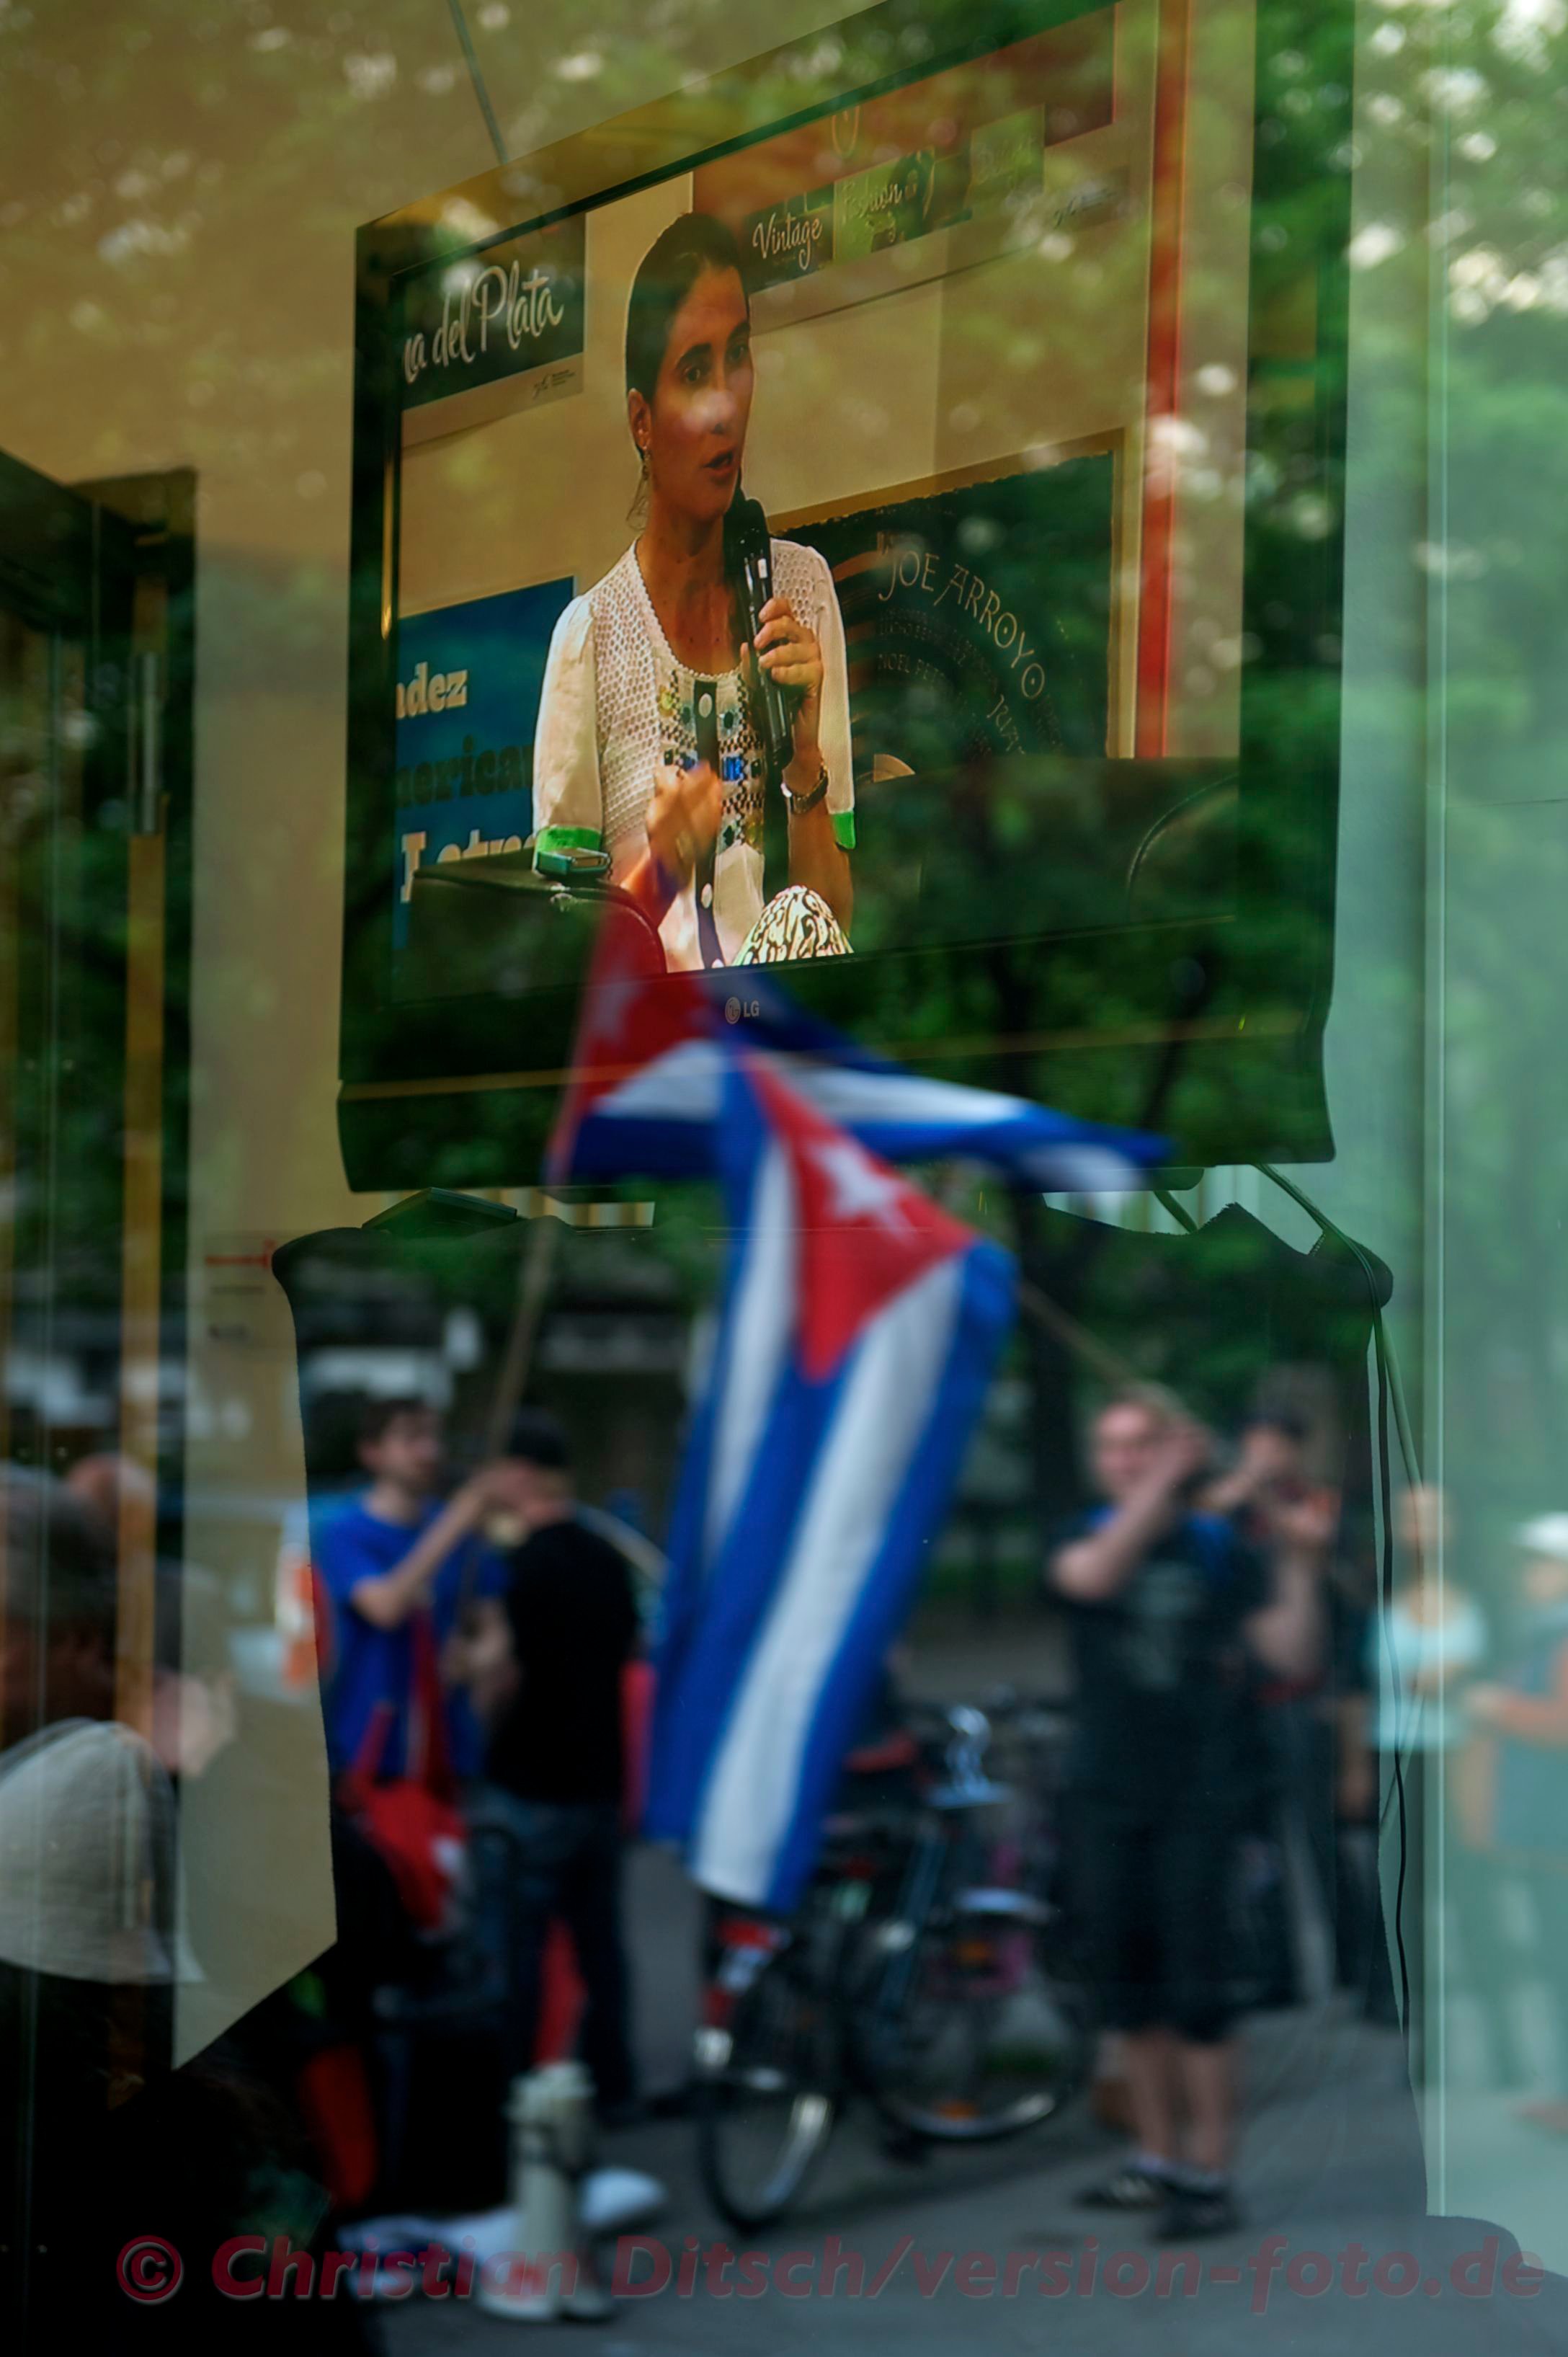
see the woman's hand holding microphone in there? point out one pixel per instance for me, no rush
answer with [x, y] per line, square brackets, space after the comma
[682, 821]
[789, 651]
[793, 657]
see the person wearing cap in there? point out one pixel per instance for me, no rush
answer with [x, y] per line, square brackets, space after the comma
[1525, 1714]
[109, 2146]
[86, 1834]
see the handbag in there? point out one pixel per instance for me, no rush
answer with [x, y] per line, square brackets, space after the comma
[412, 1820]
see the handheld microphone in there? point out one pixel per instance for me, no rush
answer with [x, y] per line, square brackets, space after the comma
[748, 560]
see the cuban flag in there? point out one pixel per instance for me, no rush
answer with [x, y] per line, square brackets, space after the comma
[648, 1078]
[860, 1326]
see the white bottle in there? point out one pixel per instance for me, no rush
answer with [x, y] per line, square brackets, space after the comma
[549, 2273]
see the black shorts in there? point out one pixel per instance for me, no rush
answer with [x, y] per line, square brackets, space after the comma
[1153, 1896]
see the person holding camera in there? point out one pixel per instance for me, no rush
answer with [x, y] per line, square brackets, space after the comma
[1165, 1604]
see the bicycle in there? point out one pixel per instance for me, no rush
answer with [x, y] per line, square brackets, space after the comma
[912, 1975]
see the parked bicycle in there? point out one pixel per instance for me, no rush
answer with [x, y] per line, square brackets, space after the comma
[928, 1969]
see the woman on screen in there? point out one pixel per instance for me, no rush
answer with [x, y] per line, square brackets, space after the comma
[616, 762]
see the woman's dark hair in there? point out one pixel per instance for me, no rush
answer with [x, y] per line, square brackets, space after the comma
[665, 277]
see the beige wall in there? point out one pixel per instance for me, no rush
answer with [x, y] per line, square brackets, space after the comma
[180, 191]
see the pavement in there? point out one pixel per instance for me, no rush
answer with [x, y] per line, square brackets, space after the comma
[966, 2249]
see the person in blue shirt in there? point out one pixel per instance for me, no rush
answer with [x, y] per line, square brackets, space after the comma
[400, 1569]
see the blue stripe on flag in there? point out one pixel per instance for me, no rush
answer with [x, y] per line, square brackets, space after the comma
[881, 1106]
[697, 1681]
[702, 1655]
[887, 1596]
[609, 1144]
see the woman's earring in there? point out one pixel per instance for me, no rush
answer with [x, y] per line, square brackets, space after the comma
[639, 508]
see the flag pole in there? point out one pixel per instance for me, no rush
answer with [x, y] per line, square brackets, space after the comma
[534, 1283]
[1107, 1363]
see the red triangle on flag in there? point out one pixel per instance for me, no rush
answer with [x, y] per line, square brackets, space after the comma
[865, 1232]
[631, 1011]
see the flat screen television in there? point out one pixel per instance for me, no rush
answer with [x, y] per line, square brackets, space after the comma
[1045, 363]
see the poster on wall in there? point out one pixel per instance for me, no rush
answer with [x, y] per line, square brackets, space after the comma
[978, 617]
[997, 146]
[508, 316]
[468, 678]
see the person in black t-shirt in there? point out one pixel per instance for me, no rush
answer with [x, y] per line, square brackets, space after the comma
[555, 1764]
[1164, 1603]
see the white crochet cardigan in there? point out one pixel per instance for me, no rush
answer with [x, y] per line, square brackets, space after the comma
[616, 701]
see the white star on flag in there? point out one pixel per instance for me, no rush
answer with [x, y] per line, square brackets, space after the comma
[860, 1191]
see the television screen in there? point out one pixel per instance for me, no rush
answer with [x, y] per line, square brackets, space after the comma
[1018, 338]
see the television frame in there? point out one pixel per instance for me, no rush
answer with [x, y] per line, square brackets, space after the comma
[1208, 1025]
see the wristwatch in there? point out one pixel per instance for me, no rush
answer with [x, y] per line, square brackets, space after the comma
[799, 804]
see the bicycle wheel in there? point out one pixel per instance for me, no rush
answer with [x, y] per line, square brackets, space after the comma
[975, 2025]
[767, 2094]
